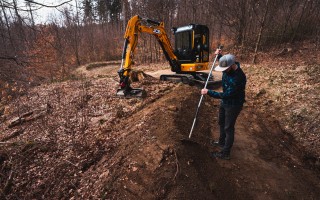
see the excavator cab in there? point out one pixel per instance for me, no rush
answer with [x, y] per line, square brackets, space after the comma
[191, 49]
[192, 46]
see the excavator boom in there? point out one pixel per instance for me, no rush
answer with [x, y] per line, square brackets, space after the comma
[134, 28]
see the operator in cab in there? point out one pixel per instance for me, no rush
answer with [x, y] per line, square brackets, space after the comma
[232, 100]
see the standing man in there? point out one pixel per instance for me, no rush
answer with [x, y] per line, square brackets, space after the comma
[232, 99]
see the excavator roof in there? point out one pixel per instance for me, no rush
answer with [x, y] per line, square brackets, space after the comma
[189, 28]
[184, 28]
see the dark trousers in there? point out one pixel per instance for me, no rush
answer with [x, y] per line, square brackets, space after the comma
[227, 120]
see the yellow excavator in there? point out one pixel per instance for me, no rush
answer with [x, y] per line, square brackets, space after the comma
[189, 56]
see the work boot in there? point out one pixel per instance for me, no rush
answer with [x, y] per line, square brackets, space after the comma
[220, 155]
[216, 144]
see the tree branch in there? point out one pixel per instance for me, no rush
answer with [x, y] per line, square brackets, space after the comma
[8, 58]
[48, 6]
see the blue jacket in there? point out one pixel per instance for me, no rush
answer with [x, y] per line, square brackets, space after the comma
[233, 85]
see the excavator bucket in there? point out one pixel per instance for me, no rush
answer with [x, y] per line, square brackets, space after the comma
[133, 93]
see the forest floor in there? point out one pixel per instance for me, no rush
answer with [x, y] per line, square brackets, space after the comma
[76, 140]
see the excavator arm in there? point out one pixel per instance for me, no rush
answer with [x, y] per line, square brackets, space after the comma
[137, 25]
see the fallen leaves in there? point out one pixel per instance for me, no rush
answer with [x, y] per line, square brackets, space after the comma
[290, 93]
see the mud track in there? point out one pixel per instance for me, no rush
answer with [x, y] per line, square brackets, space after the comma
[151, 162]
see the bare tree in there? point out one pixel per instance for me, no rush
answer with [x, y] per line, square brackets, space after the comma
[260, 31]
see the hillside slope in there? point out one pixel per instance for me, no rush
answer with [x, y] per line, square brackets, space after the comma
[76, 140]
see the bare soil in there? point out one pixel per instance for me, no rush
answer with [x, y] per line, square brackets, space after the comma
[88, 144]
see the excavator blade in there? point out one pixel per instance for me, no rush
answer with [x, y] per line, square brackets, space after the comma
[133, 93]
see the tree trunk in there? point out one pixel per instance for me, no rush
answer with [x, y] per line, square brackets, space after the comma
[299, 22]
[260, 32]
[124, 14]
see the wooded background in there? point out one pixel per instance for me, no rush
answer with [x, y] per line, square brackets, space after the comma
[93, 30]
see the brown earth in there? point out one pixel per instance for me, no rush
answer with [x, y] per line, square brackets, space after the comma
[78, 141]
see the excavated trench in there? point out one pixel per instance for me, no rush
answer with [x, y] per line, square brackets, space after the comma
[161, 165]
[164, 167]
[200, 176]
